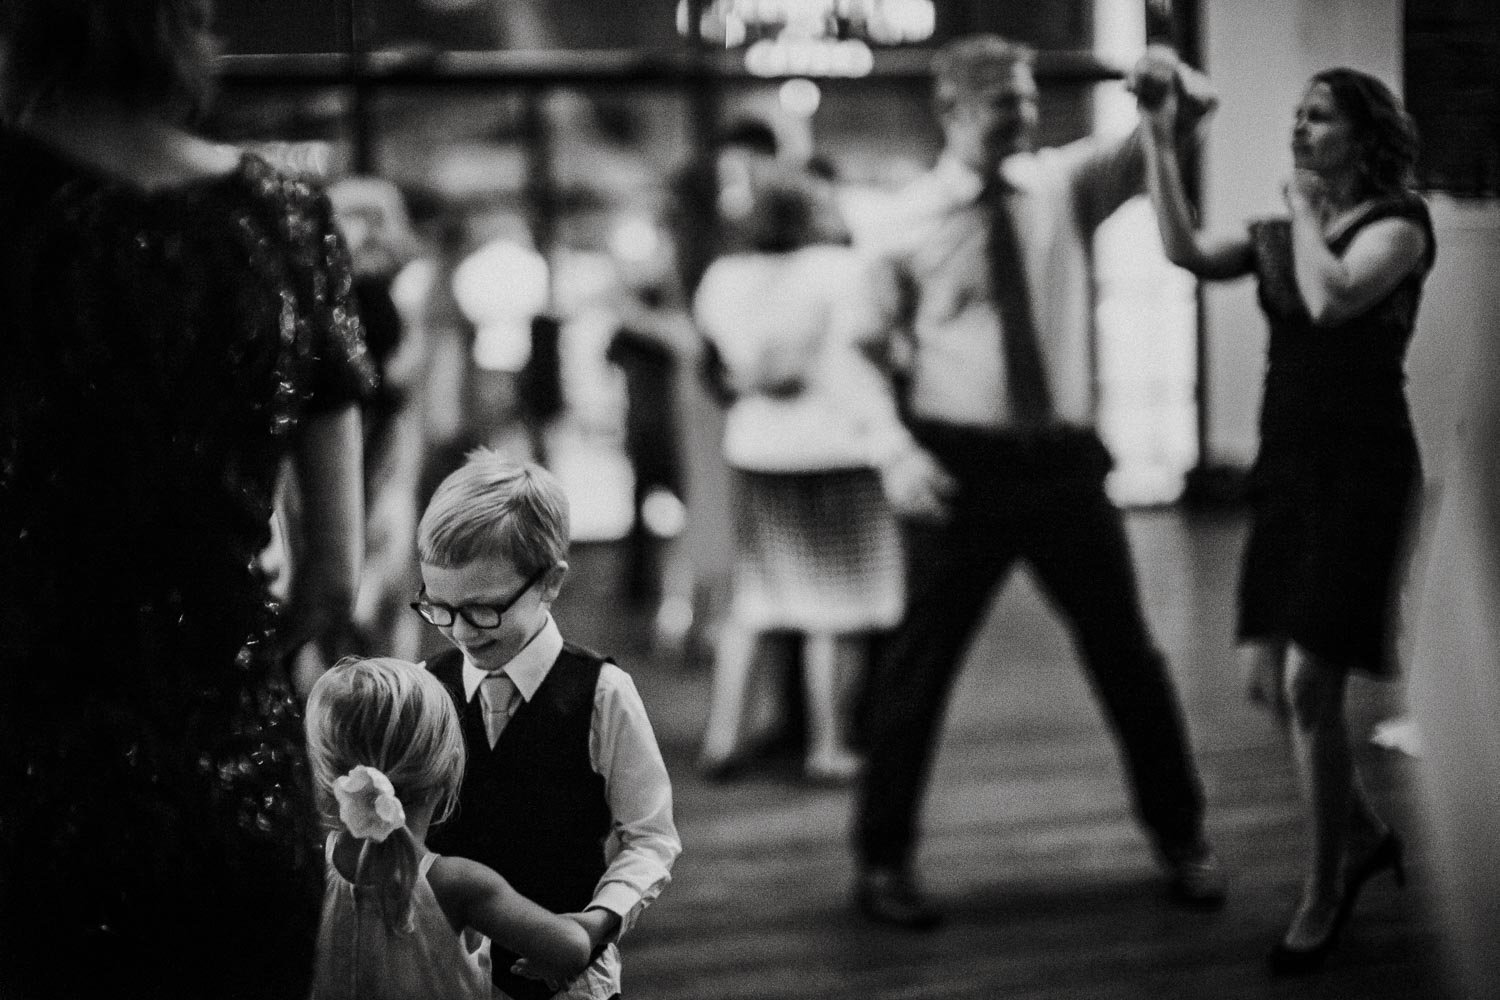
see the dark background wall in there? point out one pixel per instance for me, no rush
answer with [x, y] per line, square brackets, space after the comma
[319, 25]
[1452, 70]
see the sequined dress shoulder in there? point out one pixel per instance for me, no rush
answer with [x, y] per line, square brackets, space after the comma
[161, 352]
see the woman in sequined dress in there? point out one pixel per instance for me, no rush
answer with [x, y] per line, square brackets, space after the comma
[1335, 480]
[175, 320]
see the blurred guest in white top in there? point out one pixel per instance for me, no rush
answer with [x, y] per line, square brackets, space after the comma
[816, 548]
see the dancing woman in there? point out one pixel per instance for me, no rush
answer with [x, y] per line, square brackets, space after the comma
[1336, 476]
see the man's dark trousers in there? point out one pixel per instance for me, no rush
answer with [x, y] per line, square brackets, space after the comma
[1038, 497]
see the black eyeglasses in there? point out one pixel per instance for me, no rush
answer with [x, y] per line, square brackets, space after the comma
[477, 615]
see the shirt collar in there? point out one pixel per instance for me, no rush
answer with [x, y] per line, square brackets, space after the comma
[527, 669]
[962, 186]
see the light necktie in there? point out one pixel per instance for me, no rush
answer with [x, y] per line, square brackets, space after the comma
[1025, 375]
[496, 690]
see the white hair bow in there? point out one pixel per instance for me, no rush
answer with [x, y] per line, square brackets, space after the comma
[368, 806]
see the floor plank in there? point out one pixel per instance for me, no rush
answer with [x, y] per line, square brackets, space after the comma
[1049, 886]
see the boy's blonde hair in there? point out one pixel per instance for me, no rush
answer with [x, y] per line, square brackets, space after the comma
[493, 507]
[397, 718]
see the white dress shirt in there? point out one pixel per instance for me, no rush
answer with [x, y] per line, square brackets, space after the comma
[927, 274]
[643, 843]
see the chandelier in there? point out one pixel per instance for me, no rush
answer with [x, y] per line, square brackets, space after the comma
[810, 37]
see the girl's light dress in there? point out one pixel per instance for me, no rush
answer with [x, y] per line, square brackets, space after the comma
[359, 960]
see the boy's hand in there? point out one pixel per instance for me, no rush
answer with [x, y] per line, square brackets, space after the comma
[602, 925]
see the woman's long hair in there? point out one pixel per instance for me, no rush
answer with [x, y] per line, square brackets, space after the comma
[1386, 135]
[397, 718]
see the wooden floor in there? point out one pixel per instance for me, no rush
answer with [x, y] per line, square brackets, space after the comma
[1049, 886]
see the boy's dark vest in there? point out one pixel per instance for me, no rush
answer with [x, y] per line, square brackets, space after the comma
[532, 808]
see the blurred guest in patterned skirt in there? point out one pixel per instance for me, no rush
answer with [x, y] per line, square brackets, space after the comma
[816, 550]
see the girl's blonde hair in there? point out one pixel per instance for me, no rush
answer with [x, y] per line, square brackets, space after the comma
[397, 718]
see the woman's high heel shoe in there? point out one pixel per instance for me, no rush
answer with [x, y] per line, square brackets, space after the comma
[1389, 853]
[1288, 961]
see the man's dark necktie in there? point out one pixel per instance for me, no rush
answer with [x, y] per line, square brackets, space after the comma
[1026, 379]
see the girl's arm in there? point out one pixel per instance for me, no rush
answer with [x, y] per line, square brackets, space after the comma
[475, 895]
[1215, 257]
[1334, 288]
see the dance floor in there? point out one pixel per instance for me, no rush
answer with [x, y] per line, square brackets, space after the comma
[1048, 884]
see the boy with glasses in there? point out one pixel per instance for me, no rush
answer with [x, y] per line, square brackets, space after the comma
[565, 793]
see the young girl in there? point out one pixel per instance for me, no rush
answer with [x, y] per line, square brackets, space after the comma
[399, 921]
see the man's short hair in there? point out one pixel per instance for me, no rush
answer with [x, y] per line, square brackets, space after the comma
[974, 65]
[492, 507]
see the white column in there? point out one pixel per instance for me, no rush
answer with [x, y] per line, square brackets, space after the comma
[1145, 317]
